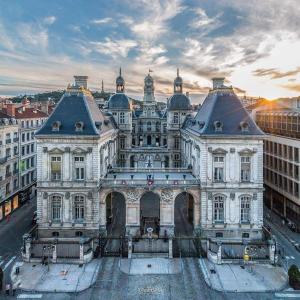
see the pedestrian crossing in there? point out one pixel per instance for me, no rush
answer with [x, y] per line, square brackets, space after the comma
[6, 262]
[290, 257]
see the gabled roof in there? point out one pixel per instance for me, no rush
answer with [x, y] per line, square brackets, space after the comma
[223, 109]
[73, 108]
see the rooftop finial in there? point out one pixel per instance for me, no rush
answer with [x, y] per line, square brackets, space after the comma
[150, 71]
[102, 86]
[120, 72]
[177, 72]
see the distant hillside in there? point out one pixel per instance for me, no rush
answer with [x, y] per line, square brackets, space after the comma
[56, 95]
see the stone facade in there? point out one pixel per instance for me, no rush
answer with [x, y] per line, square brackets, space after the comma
[84, 158]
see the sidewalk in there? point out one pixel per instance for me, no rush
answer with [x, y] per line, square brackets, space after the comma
[59, 278]
[276, 221]
[236, 278]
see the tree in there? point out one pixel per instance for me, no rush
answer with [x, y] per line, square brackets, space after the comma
[294, 277]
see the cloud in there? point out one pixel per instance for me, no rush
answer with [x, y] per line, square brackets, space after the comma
[114, 48]
[49, 20]
[295, 87]
[33, 35]
[5, 40]
[275, 73]
[101, 21]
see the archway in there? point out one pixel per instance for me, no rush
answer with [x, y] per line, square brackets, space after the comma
[150, 213]
[184, 214]
[115, 214]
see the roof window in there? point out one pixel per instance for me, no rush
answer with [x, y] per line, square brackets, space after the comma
[79, 126]
[56, 125]
[244, 126]
[218, 126]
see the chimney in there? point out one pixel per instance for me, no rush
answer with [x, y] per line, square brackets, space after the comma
[11, 109]
[81, 81]
[218, 82]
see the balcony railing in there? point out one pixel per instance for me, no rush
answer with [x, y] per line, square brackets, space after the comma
[16, 139]
[110, 182]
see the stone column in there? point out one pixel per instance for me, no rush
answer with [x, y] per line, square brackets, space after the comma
[81, 259]
[219, 255]
[133, 211]
[129, 247]
[54, 254]
[171, 247]
[167, 202]
[102, 213]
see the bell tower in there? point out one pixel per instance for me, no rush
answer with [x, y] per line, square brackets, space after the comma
[120, 83]
[149, 88]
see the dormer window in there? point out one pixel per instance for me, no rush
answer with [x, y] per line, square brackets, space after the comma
[244, 126]
[56, 126]
[218, 126]
[201, 124]
[79, 126]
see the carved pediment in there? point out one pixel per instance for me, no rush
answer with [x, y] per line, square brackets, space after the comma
[79, 150]
[246, 151]
[219, 151]
[55, 151]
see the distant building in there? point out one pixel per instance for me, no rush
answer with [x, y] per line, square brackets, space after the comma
[29, 120]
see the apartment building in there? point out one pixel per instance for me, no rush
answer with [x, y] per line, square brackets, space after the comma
[9, 170]
[282, 161]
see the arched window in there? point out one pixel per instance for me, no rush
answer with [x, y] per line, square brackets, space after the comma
[56, 208]
[149, 140]
[219, 208]
[79, 208]
[245, 209]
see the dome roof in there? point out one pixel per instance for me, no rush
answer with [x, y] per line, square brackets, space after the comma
[120, 80]
[178, 80]
[118, 101]
[179, 102]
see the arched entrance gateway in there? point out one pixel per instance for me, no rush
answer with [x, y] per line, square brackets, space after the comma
[149, 213]
[115, 214]
[184, 214]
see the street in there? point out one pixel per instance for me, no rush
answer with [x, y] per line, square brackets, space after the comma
[11, 233]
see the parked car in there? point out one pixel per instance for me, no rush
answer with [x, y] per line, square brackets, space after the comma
[34, 218]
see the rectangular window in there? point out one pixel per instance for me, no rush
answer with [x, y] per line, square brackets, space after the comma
[176, 143]
[122, 143]
[219, 209]
[79, 167]
[218, 168]
[56, 168]
[175, 118]
[56, 208]
[79, 173]
[245, 168]
[245, 209]
[122, 118]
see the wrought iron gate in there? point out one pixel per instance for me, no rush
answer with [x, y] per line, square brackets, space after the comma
[113, 246]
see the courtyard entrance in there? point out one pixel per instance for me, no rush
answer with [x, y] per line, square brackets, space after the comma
[150, 214]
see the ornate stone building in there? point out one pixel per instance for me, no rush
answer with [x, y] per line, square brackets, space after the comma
[212, 159]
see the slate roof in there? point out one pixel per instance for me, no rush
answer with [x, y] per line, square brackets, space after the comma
[226, 108]
[118, 101]
[73, 108]
[179, 102]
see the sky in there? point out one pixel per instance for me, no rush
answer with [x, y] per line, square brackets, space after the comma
[255, 44]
